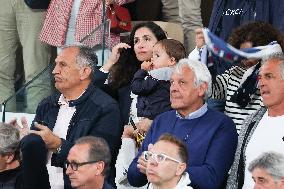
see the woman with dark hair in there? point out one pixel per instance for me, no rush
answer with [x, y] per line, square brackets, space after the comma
[125, 60]
[115, 78]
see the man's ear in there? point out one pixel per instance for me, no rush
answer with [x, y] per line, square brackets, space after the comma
[202, 88]
[9, 158]
[100, 166]
[180, 169]
[85, 73]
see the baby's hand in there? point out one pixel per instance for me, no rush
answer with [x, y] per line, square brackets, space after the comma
[147, 65]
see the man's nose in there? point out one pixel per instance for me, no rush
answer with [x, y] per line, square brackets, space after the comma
[55, 69]
[68, 170]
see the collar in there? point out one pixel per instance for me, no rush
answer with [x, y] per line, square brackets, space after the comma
[90, 89]
[62, 100]
[196, 114]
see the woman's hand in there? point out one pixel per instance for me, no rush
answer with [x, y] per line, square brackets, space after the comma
[128, 132]
[115, 54]
[144, 125]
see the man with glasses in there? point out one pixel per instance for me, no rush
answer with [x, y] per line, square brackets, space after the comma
[166, 164]
[88, 163]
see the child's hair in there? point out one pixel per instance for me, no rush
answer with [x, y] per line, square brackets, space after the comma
[173, 48]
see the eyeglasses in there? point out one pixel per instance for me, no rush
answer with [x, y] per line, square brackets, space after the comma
[74, 166]
[159, 158]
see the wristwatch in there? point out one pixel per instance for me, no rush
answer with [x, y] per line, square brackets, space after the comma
[58, 150]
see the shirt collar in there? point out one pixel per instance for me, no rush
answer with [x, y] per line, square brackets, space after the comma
[62, 100]
[196, 114]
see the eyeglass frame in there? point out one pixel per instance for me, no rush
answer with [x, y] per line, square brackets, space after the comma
[77, 165]
[154, 156]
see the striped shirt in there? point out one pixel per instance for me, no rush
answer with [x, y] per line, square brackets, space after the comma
[224, 88]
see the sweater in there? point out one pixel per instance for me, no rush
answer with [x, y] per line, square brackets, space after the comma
[209, 159]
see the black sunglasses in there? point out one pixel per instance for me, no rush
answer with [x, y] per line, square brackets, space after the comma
[74, 166]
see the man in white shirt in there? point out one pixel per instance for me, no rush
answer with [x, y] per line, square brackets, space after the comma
[262, 131]
[79, 109]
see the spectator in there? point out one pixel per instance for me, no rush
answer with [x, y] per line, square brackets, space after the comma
[268, 171]
[210, 158]
[88, 163]
[243, 76]
[151, 82]
[190, 15]
[15, 173]
[79, 109]
[19, 27]
[70, 21]
[166, 164]
[266, 123]
[154, 99]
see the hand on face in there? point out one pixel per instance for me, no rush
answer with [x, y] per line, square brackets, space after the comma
[51, 140]
[115, 54]
[147, 65]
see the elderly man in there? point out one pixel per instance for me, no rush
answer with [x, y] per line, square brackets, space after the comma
[262, 131]
[16, 171]
[88, 163]
[80, 109]
[166, 164]
[268, 171]
[210, 136]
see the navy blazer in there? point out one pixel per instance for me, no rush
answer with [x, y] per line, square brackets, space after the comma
[97, 114]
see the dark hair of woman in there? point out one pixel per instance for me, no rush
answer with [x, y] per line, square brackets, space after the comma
[258, 33]
[122, 72]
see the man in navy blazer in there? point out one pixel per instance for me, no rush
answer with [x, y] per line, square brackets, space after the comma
[78, 109]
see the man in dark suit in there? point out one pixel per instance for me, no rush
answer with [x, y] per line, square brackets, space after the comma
[79, 109]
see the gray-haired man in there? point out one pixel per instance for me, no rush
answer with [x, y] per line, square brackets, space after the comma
[268, 171]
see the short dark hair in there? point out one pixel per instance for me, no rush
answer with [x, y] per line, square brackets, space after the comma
[86, 56]
[98, 151]
[173, 48]
[9, 140]
[182, 150]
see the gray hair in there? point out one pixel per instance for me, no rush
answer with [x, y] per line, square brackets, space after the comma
[99, 150]
[9, 140]
[271, 162]
[201, 73]
[86, 56]
[278, 57]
